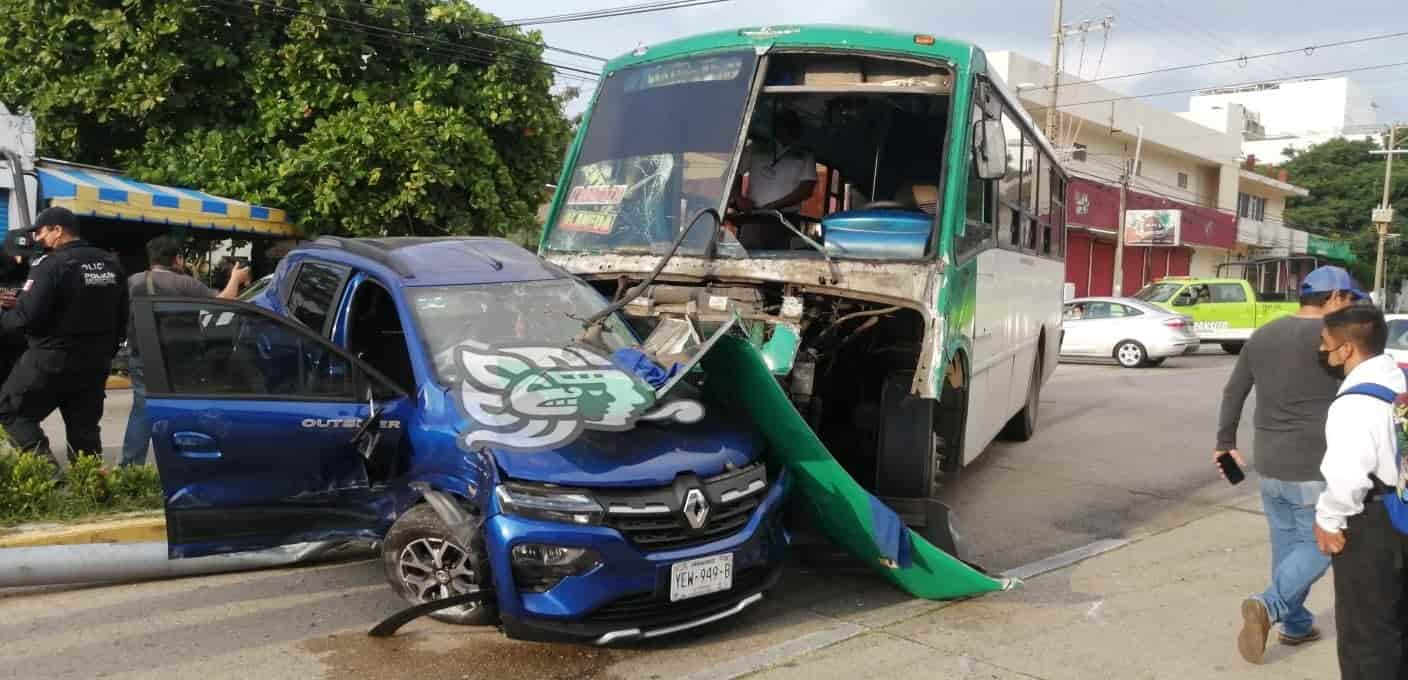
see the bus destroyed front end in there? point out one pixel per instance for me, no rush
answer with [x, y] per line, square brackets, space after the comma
[823, 172]
[818, 373]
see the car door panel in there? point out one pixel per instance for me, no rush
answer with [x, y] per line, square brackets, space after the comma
[253, 423]
[1076, 340]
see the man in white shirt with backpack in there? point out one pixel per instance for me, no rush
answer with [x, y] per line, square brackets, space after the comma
[1361, 471]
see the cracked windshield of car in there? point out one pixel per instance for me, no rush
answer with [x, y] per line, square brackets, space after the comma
[656, 151]
[537, 313]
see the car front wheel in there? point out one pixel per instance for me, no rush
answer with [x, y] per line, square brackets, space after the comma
[1131, 354]
[424, 563]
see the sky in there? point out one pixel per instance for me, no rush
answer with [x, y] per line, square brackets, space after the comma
[1147, 34]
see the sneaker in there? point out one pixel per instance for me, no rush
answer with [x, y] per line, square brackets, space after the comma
[1294, 640]
[1256, 625]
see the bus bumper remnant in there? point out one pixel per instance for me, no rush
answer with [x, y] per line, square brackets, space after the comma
[851, 517]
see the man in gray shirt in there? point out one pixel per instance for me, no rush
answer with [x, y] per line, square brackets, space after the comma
[1293, 395]
[162, 278]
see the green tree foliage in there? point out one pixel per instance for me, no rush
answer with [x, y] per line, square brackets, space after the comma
[360, 117]
[1346, 184]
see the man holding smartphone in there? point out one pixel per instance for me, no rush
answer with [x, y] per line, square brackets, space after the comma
[165, 276]
[1293, 395]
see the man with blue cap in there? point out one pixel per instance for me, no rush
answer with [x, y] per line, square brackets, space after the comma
[1293, 394]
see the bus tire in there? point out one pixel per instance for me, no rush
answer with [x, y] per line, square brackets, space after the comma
[1022, 427]
[1233, 348]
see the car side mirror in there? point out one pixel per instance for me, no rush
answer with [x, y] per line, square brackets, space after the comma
[990, 149]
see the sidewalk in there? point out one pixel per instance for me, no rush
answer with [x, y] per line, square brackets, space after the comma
[1165, 606]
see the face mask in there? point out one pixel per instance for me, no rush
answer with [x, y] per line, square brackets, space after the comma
[1336, 372]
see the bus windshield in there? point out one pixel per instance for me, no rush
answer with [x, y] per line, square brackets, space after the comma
[657, 149]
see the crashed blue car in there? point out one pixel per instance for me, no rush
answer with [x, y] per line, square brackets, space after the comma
[441, 397]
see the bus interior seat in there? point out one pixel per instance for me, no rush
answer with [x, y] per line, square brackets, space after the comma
[921, 197]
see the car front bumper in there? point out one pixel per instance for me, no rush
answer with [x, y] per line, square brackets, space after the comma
[627, 596]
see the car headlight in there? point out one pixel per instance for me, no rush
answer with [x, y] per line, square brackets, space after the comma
[537, 567]
[549, 504]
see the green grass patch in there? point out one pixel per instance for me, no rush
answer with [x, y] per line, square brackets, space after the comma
[30, 493]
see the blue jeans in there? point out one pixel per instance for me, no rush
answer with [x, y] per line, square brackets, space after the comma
[139, 431]
[1296, 562]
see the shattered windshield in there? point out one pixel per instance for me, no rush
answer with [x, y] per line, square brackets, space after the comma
[543, 313]
[657, 150]
[1158, 292]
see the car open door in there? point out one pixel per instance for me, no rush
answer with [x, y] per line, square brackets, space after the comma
[257, 424]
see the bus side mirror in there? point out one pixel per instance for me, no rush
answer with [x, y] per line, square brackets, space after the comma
[1183, 300]
[990, 149]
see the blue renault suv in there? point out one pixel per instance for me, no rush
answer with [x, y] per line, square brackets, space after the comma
[451, 399]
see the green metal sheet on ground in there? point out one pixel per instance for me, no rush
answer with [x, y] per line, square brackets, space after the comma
[840, 507]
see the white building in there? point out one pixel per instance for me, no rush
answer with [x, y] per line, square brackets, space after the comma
[1294, 114]
[17, 135]
[1191, 162]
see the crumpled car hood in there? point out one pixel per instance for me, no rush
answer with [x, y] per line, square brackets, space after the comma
[648, 455]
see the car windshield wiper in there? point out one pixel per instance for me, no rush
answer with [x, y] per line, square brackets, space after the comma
[591, 325]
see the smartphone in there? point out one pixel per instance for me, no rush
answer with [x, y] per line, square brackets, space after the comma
[1230, 468]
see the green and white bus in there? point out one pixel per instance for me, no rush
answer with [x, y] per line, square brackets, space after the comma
[911, 305]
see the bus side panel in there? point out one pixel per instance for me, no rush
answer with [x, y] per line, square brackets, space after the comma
[991, 360]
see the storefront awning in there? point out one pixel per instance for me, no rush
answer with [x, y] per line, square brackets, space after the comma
[96, 193]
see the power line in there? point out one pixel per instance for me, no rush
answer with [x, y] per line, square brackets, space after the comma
[1274, 81]
[1308, 50]
[377, 39]
[492, 36]
[1217, 39]
[483, 56]
[627, 10]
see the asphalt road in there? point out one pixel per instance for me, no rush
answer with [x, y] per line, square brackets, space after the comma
[1119, 454]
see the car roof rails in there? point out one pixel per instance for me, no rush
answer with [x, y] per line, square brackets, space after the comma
[367, 249]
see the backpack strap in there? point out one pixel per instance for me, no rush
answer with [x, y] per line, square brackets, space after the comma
[1374, 390]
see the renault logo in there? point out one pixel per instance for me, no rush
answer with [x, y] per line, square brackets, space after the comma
[696, 508]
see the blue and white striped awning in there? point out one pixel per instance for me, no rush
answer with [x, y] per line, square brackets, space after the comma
[91, 192]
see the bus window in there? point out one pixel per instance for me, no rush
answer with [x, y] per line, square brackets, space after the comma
[977, 227]
[1034, 216]
[1009, 189]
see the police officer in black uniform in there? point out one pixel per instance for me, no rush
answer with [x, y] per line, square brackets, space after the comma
[73, 310]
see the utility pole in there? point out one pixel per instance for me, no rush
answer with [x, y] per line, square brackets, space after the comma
[1383, 215]
[1124, 198]
[1058, 33]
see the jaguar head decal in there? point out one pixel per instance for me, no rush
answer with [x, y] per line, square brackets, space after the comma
[535, 398]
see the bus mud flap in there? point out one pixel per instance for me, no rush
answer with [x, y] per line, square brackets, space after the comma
[847, 514]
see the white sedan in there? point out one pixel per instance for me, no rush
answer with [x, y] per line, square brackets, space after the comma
[1132, 332]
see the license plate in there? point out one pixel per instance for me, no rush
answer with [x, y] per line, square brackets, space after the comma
[702, 576]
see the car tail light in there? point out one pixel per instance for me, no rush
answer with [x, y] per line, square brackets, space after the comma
[1175, 323]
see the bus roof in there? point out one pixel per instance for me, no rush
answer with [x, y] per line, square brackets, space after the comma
[815, 35]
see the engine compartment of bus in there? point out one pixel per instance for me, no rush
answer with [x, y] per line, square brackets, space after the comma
[842, 310]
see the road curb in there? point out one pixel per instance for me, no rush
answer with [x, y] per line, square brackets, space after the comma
[130, 530]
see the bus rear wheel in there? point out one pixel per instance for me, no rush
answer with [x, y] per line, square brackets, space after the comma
[1233, 348]
[1022, 427]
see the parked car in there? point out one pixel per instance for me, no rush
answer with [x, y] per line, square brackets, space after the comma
[1398, 338]
[1132, 332]
[1224, 311]
[438, 396]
